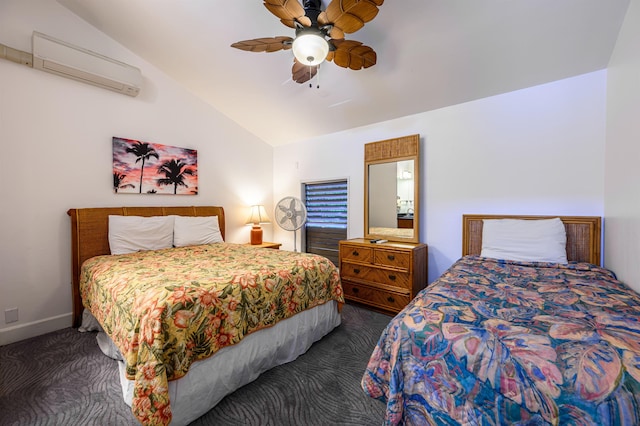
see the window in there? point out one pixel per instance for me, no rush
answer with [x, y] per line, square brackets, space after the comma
[326, 225]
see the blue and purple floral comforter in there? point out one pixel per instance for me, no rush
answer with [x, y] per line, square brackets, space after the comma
[498, 342]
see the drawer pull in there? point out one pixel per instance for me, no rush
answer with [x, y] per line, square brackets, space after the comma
[356, 290]
[392, 277]
[391, 257]
[391, 299]
[355, 253]
[356, 271]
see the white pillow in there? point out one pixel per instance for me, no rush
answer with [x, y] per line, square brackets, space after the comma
[194, 230]
[128, 234]
[540, 240]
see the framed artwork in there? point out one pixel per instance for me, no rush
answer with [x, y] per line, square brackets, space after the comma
[151, 168]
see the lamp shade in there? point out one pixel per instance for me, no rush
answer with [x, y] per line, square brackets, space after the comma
[310, 48]
[258, 215]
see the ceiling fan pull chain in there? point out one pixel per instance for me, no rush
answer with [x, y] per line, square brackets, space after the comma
[318, 77]
[310, 77]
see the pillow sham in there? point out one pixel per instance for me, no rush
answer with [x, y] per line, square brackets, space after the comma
[539, 240]
[128, 234]
[195, 230]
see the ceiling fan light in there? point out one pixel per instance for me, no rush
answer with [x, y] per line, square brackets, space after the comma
[310, 49]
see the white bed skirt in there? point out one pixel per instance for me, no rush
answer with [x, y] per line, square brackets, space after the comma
[210, 380]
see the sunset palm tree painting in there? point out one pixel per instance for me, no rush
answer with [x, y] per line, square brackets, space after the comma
[151, 168]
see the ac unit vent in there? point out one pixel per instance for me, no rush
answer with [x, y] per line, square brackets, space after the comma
[66, 60]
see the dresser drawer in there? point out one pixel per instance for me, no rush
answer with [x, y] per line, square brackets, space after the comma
[352, 270]
[356, 253]
[384, 299]
[397, 259]
[393, 278]
[376, 275]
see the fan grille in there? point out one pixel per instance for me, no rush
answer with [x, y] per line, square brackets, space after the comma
[290, 213]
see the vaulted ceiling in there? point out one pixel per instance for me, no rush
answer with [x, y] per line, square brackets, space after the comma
[430, 54]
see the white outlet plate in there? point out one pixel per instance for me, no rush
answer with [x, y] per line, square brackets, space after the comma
[10, 315]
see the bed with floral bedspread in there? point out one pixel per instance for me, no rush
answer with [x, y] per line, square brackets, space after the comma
[166, 309]
[495, 342]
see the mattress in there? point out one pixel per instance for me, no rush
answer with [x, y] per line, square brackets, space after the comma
[210, 380]
[495, 342]
[166, 309]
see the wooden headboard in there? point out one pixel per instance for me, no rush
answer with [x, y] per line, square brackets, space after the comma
[90, 235]
[583, 235]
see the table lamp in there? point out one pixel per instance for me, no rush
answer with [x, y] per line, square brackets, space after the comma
[258, 216]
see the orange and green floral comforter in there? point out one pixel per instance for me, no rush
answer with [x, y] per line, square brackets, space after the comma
[166, 309]
[512, 343]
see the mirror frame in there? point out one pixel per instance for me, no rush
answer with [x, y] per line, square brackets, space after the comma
[390, 151]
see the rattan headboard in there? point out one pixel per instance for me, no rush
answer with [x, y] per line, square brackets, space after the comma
[90, 235]
[583, 235]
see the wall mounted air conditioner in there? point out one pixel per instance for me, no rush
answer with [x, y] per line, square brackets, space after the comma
[64, 59]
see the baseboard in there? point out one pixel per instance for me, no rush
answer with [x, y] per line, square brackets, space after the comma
[35, 328]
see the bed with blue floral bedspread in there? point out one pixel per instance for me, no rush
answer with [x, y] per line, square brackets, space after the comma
[496, 342]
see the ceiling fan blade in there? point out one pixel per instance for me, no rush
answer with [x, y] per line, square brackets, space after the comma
[349, 15]
[265, 44]
[352, 54]
[301, 73]
[288, 11]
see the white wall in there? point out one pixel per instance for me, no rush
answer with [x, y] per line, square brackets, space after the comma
[55, 135]
[622, 169]
[534, 151]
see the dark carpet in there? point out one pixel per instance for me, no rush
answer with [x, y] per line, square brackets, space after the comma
[62, 378]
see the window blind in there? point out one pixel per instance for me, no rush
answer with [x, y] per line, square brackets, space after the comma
[326, 204]
[326, 225]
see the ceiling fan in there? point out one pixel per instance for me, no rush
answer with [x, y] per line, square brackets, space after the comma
[319, 34]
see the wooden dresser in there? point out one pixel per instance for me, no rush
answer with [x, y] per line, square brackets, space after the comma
[385, 277]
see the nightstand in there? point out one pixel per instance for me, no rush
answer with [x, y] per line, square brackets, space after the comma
[265, 244]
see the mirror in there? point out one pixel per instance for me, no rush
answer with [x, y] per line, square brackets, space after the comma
[391, 210]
